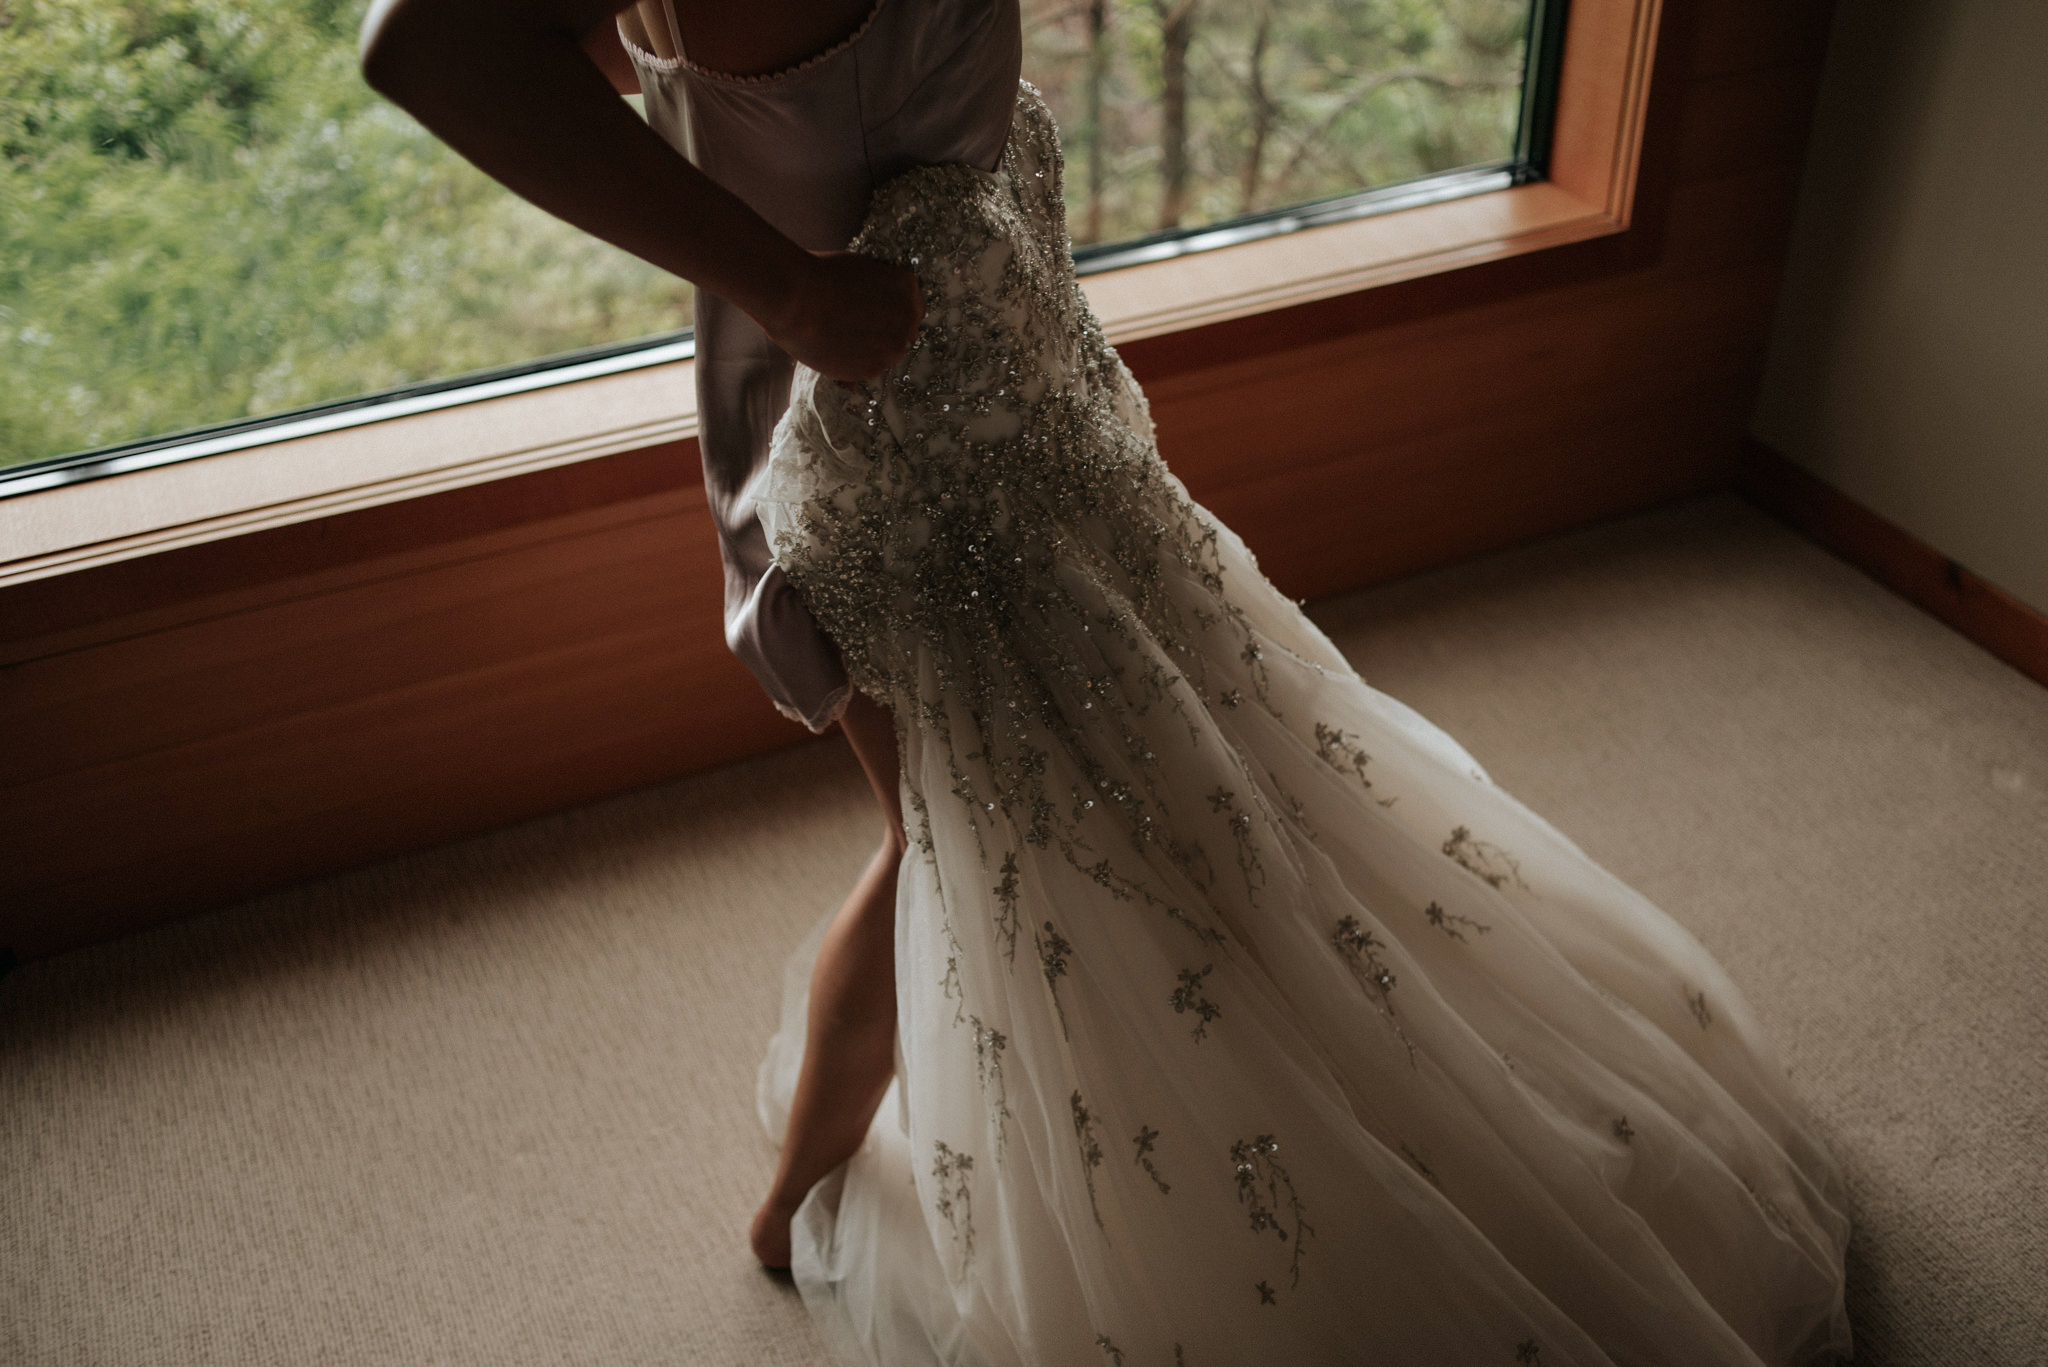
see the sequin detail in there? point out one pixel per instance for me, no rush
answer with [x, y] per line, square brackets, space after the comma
[1336, 749]
[989, 1044]
[1361, 950]
[1053, 950]
[1696, 1002]
[951, 1170]
[1090, 1149]
[1267, 1193]
[1145, 1139]
[1008, 565]
[1188, 997]
[1449, 923]
[1006, 904]
[1487, 862]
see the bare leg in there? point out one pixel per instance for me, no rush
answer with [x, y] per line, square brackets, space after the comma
[850, 1036]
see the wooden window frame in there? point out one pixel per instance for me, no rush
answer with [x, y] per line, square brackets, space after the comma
[1180, 314]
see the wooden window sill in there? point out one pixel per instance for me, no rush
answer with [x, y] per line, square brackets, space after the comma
[232, 493]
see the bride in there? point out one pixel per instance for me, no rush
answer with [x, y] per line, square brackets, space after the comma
[1202, 1004]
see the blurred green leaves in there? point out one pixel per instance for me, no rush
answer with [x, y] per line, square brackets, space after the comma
[206, 215]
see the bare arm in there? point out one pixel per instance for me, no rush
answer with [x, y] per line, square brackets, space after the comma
[601, 44]
[510, 85]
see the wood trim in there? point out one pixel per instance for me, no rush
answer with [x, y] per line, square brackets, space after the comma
[236, 493]
[1602, 98]
[1207, 288]
[2010, 629]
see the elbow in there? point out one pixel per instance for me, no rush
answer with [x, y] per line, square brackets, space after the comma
[381, 49]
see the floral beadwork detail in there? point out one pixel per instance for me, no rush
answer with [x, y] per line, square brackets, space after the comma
[1006, 908]
[1188, 997]
[1334, 747]
[1110, 1350]
[1292, 808]
[1624, 1131]
[1090, 1148]
[1487, 862]
[1529, 1353]
[1448, 922]
[1224, 803]
[989, 1044]
[1267, 1193]
[1053, 950]
[950, 988]
[1145, 1139]
[1696, 1002]
[1361, 950]
[951, 1170]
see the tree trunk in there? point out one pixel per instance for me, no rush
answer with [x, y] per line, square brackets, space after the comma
[1262, 115]
[1176, 32]
[1098, 69]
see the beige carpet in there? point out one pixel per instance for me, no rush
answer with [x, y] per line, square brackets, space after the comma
[494, 1104]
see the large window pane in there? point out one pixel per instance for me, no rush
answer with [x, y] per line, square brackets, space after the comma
[205, 216]
[1181, 113]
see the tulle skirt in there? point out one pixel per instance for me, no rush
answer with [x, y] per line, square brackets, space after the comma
[1241, 1017]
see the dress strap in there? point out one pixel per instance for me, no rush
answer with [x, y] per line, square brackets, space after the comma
[675, 30]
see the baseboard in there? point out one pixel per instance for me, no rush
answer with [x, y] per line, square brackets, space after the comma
[1895, 558]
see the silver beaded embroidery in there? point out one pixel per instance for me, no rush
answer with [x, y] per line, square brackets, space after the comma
[1486, 861]
[1002, 572]
[1188, 998]
[989, 1044]
[1090, 1150]
[1146, 1139]
[1361, 950]
[1268, 1196]
[1449, 922]
[1053, 950]
[951, 1169]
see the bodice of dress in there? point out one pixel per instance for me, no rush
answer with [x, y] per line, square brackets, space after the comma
[920, 82]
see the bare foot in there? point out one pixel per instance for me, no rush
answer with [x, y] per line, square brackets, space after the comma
[770, 1235]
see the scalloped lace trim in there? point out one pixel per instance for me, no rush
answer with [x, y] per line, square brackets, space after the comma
[683, 63]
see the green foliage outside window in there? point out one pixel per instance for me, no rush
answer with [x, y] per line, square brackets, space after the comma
[205, 215]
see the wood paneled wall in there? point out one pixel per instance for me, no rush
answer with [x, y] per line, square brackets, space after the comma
[202, 724]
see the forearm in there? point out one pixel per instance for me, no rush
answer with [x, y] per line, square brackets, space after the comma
[508, 84]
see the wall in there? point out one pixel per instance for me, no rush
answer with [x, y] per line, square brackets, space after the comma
[1909, 360]
[207, 722]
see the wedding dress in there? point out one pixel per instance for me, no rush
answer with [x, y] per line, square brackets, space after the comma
[1241, 1018]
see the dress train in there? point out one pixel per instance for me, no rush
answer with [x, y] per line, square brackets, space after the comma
[1241, 1017]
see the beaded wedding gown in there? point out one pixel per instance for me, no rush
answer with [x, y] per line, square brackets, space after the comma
[1242, 1019]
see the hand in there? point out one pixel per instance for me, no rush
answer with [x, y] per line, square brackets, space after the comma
[849, 317]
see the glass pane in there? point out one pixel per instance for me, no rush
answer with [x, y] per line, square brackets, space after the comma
[206, 216]
[1182, 113]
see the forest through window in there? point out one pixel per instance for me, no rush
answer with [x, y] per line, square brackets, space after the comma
[207, 217]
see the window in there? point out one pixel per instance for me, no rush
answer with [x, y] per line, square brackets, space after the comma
[214, 233]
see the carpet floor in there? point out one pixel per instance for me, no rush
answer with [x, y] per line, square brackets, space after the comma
[493, 1103]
